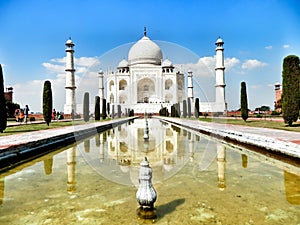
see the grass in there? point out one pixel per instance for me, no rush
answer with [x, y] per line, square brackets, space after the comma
[39, 126]
[273, 124]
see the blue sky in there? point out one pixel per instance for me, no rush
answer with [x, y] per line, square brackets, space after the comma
[257, 35]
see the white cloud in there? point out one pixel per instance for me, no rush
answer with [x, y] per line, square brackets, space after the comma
[53, 68]
[286, 46]
[206, 66]
[86, 78]
[269, 47]
[252, 64]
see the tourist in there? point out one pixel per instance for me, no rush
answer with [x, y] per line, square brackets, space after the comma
[17, 112]
[21, 116]
[26, 111]
[53, 114]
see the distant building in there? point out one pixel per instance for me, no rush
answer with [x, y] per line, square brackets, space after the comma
[8, 94]
[278, 94]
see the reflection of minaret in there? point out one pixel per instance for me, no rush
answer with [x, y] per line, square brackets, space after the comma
[190, 86]
[191, 146]
[244, 160]
[221, 160]
[87, 145]
[1, 189]
[292, 188]
[71, 166]
[101, 147]
[48, 165]
[70, 87]
[101, 88]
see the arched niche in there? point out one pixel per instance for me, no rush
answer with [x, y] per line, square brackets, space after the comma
[122, 84]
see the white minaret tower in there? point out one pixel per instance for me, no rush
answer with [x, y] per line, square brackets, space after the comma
[190, 86]
[70, 87]
[101, 88]
[220, 82]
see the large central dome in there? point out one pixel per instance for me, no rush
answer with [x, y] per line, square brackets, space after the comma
[145, 51]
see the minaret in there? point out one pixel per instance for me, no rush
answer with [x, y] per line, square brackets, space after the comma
[101, 88]
[220, 82]
[70, 87]
[190, 86]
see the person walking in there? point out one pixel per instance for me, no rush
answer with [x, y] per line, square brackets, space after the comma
[26, 112]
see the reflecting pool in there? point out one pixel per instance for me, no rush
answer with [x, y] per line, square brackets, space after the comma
[198, 181]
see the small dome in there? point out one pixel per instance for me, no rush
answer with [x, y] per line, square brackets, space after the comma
[219, 41]
[69, 42]
[123, 63]
[145, 51]
[167, 63]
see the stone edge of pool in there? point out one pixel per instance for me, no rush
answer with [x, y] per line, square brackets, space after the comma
[16, 149]
[271, 144]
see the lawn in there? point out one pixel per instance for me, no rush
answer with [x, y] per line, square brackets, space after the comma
[266, 123]
[39, 126]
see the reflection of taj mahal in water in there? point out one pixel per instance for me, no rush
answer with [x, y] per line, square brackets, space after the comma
[146, 82]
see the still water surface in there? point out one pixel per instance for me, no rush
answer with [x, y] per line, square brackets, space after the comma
[198, 181]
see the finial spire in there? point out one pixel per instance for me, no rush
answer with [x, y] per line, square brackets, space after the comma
[145, 31]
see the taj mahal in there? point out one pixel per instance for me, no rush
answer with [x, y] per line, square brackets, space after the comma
[146, 82]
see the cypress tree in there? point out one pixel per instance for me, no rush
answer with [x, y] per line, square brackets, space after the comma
[189, 107]
[108, 108]
[104, 115]
[290, 89]
[97, 108]
[173, 111]
[244, 102]
[86, 107]
[47, 102]
[3, 116]
[197, 110]
[119, 111]
[184, 109]
[113, 111]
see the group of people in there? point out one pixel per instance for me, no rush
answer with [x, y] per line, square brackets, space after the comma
[22, 114]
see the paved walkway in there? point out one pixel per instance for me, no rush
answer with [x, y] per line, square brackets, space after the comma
[286, 142]
[11, 141]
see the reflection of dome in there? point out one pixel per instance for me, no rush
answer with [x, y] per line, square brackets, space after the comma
[145, 51]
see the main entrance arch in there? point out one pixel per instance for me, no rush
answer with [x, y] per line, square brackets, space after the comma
[145, 90]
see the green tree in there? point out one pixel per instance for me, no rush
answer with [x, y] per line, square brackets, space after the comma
[290, 89]
[244, 102]
[184, 109]
[108, 108]
[189, 110]
[104, 115]
[3, 116]
[197, 110]
[86, 107]
[173, 110]
[119, 111]
[97, 108]
[47, 102]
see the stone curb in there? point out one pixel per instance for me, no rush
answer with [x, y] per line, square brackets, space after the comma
[261, 141]
[37, 143]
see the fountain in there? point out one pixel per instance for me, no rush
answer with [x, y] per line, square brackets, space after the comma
[146, 194]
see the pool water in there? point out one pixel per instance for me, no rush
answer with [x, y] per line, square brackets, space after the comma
[198, 180]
